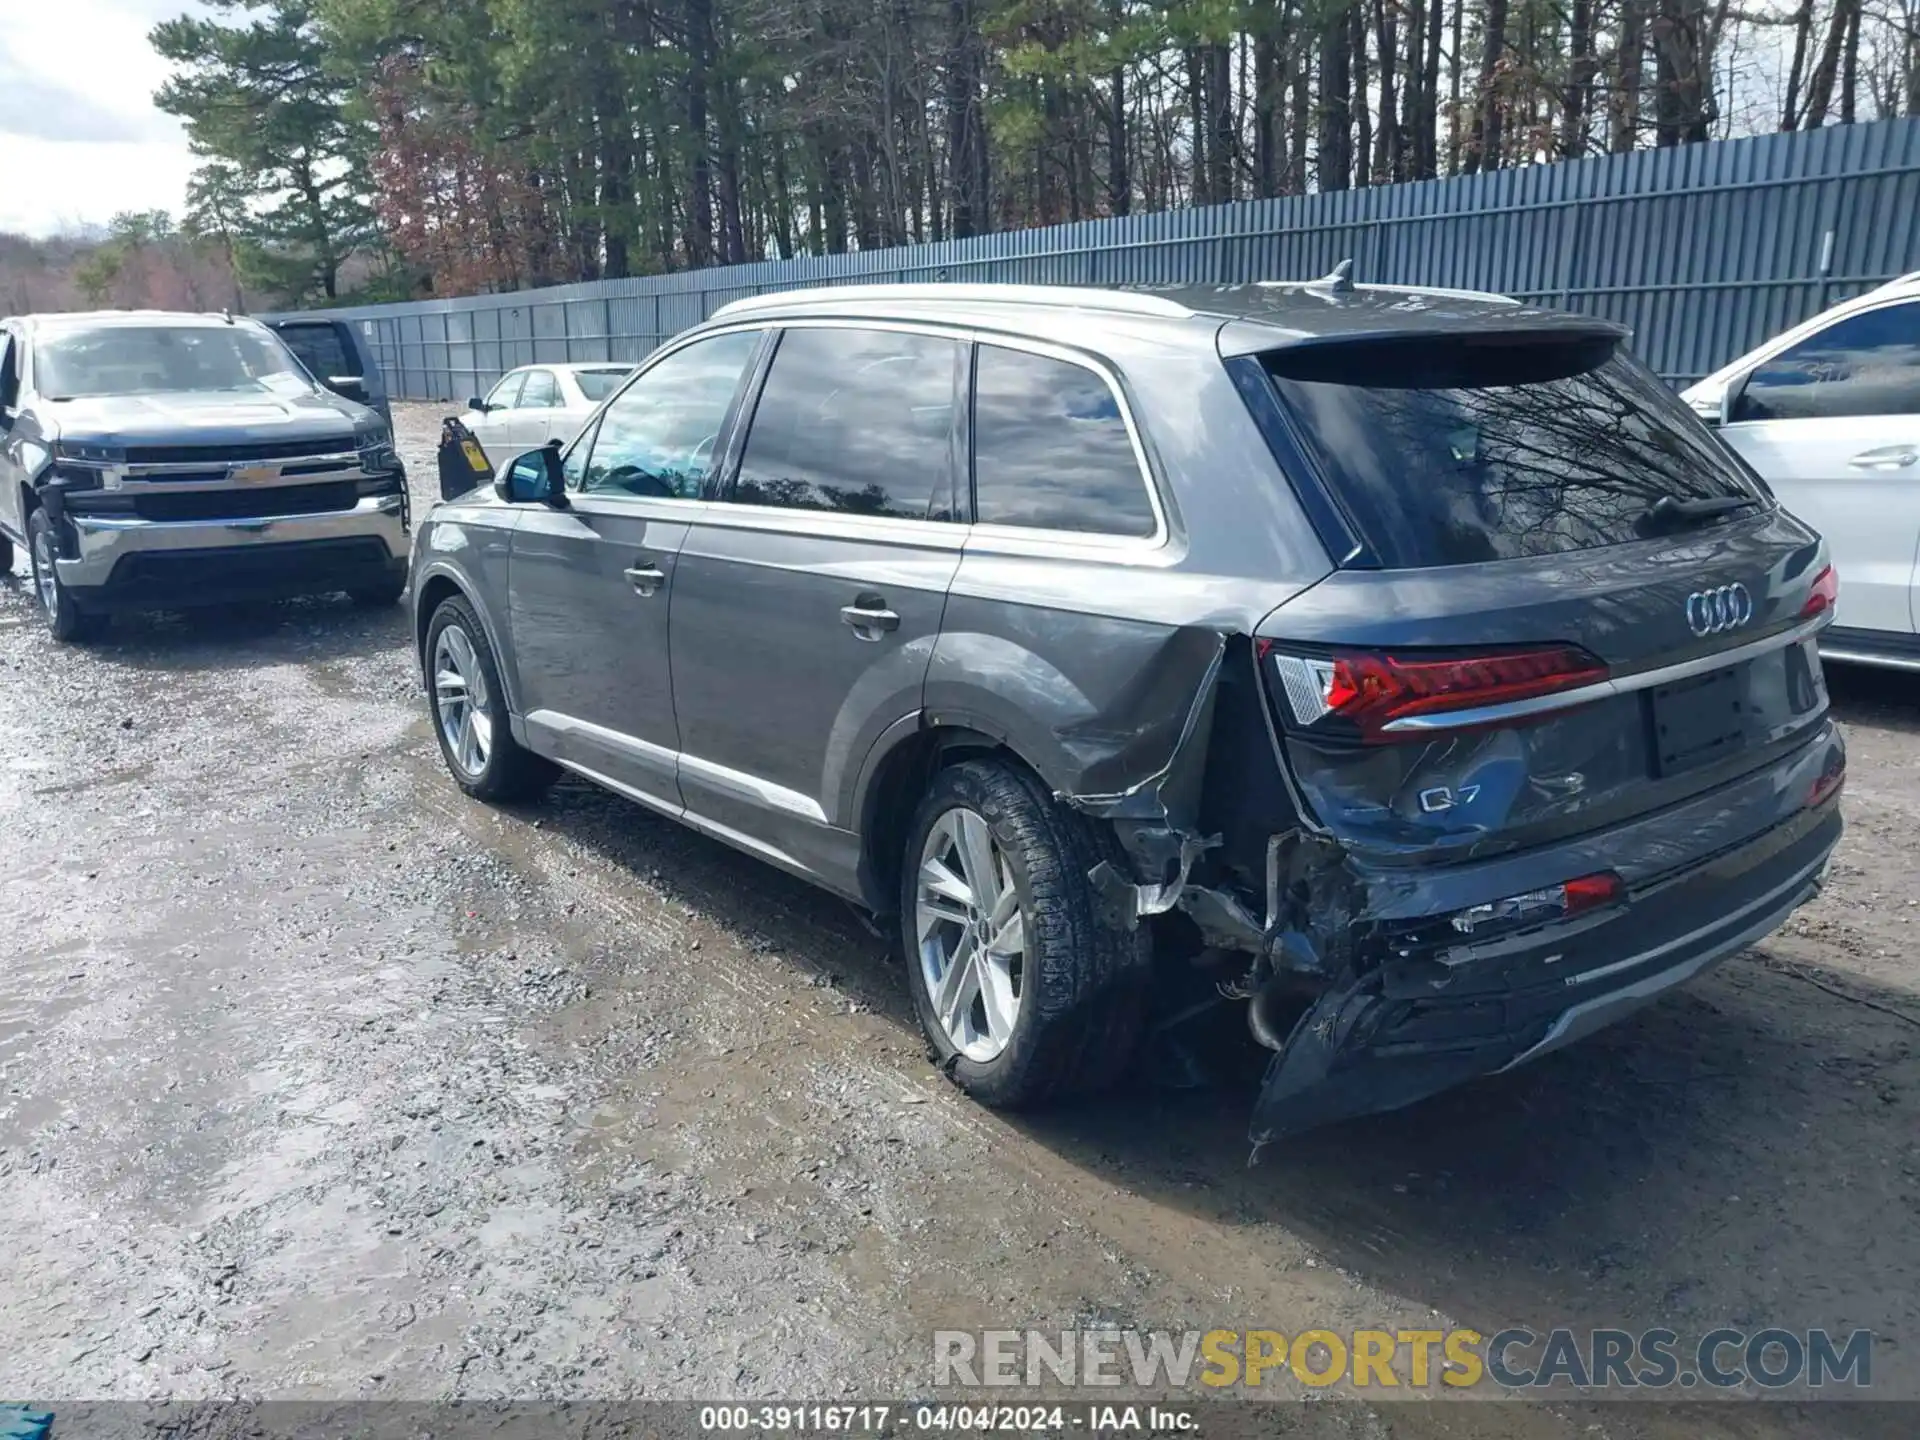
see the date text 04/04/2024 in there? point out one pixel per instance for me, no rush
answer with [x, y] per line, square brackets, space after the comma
[896, 1419]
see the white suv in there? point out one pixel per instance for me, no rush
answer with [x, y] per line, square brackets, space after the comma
[1829, 414]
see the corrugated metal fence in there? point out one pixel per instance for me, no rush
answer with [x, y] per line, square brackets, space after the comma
[1704, 250]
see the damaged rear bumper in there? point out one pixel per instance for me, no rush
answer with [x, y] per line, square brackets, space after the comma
[1432, 1015]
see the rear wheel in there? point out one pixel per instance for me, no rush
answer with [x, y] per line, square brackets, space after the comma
[67, 621]
[1023, 992]
[6, 556]
[470, 711]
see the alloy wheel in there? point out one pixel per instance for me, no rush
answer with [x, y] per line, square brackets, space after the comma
[972, 934]
[45, 578]
[460, 701]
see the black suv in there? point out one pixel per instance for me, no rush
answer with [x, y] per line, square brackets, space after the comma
[1412, 662]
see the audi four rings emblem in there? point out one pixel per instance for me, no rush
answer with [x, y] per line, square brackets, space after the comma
[1711, 611]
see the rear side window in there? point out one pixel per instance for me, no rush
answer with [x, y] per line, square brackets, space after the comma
[321, 350]
[1050, 449]
[1866, 364]
[854, 421]
[1452, 452]
[596, 385]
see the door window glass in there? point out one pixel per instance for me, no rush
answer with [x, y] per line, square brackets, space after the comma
[506, 394]
[542, 392]
[657, 438]
[322, 350]
[854, 421]
[1866, 364]
[1050, 449]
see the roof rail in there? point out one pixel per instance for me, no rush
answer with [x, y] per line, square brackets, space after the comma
[1068, 297]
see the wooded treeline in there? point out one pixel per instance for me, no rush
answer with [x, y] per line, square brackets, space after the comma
[495, 144]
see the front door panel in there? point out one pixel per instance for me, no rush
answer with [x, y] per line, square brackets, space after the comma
[1855, 479]
[591, 586]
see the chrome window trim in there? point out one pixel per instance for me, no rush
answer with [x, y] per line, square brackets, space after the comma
[830, 524]
[1615, 685]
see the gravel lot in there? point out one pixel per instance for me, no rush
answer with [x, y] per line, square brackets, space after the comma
[319, 1080]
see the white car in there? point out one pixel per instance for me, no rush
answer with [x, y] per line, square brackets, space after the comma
[1829, 414]
[538, 403]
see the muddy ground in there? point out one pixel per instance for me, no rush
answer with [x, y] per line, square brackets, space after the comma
[318, 1079]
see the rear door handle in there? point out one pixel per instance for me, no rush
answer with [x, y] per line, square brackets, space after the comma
[1887, 457]
[869, 616]
[645, 579]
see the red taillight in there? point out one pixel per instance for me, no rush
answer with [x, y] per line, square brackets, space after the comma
[1589, 892]
[1376, 694]
[1586, 892]
[1828, 781]
[1824, 595]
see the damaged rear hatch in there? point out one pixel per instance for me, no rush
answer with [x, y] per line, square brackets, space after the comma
[1564, 675]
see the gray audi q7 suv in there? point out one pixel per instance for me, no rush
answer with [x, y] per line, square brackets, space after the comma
[1412, 663]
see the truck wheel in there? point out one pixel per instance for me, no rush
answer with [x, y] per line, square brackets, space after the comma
[1024, 993]
[470, 711]
[67, 621]
[6, 556]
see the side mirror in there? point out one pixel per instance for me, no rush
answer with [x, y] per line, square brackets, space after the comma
[476, 403]
[534, 477]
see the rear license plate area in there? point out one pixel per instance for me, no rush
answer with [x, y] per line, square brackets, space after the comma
[1698, 720]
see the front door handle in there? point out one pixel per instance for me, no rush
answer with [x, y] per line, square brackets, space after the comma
[1887, 457]
[869, 616]
[645, 579]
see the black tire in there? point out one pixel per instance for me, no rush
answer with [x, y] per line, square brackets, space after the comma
[1084, 983]
[68, 623]
[6, 556]
[379, 597]
[508, 771]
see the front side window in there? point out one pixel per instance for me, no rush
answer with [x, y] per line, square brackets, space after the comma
[1050, 449]
[657, 437]
[506, 394]
[542, 392]
[1866, 364]
[859, 422]
[164, 359]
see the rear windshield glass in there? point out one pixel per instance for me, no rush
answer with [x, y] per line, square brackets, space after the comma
[321, 350]
[596, 385]
[160, 360]
[1450, 454]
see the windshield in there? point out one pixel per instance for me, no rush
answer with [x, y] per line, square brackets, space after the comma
[1447, 458]
[596, 385]
[163, 359]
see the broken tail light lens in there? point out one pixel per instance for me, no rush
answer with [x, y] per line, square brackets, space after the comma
[1824, 595]
[1371, 695]
[1575, 897]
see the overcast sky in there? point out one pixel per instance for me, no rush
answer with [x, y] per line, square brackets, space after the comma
[79, 137]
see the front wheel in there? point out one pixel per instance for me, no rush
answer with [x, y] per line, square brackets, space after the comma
[67, 621]
[470, 712]
[1024, 993]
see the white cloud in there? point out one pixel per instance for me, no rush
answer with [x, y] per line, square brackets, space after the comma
[82, 138]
